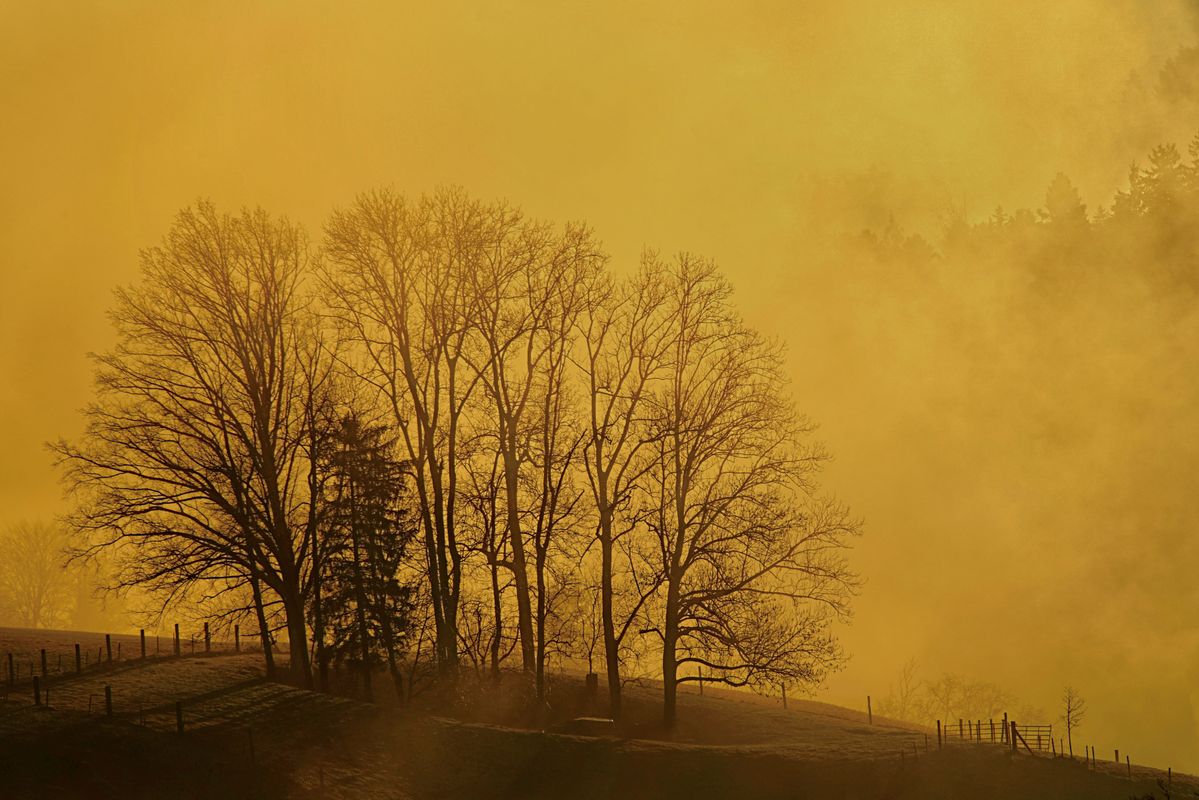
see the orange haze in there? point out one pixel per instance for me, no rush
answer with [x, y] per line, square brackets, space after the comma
[748, 132]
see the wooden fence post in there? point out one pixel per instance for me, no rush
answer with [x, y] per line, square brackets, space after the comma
[37, 691]
[991, 722]
[177, 651]
[237, 648]
[1005, 730]
[938, 734]
[108, 646]
[961, 729]
[869, 710]
[108, 700]
[1117, 755]
[207, 641]
[143, 637]
[179, 717]
[1128, 761]
[44, 671]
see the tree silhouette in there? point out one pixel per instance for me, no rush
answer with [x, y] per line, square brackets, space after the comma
[749, 553]
[1074, 708]
[194, 454]
[33, 592]
[367, 531]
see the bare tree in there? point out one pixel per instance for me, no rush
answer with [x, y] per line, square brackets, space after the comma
[486, 534]
[398, 282]
[554, 443]
[982, 699]
[903, 699]
[751, 556]
[34, 592]
[1074, 708]
[525, 284]
[624, 343]
[943, 697]
[458, 307]
[193, 458]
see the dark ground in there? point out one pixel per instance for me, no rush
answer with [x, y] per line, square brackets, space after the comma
[247, 738]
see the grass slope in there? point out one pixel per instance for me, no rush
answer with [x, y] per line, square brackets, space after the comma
[249, 738]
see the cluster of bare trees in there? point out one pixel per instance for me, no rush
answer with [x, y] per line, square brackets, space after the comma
[451, 432]
[954, 697]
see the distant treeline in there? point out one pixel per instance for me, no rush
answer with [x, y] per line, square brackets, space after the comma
[1149, 232]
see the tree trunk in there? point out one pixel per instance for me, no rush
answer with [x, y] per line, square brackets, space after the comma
[360, 602]
[297, 635]
[318, 628]
[264, 633]
[440, 552]
[520, 570]
[540, 629]
[447, 643]
[364, 652]
[389, 643]
[497, 611]
[670, 660]
[611, 646]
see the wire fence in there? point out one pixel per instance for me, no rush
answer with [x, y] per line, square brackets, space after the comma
[104, 675]
[48, 655]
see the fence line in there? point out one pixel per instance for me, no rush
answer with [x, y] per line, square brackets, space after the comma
[64, 659]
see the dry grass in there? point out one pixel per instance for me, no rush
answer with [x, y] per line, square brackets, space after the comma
[247, 737]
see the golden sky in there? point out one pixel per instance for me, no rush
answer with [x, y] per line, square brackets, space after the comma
[711, 127]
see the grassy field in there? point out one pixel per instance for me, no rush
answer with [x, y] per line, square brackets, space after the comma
[246, 737]
[26, 646]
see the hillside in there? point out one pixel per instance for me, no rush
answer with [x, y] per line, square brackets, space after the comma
[246, 737]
